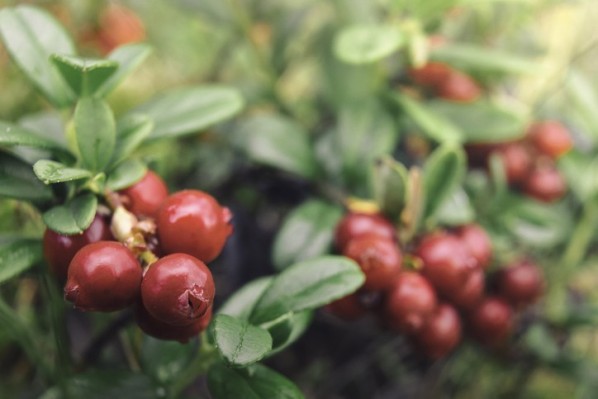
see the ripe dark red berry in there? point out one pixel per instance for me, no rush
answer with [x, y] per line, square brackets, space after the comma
[517, 161]
[471, 293]
[550, 138]
[521, 284]
[409, 302]
[177, 289]
[145, 197]
[476, 240]
[491, 321]
[60, 249]
[458, 87]
[193, 222]
[441, 333]
[103, 276]
[447, 262]
[379, 258]
[158, 329]
[430, 75]
[347, 308]
[354, 225]
[545, 184]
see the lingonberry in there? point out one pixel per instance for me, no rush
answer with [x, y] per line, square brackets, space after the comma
[103, 276]
[379, 259]
[441, 333]
[158, 329]
[430, 75]
[491, 321]
[446, 261]
[478, 153]
[409, 302]
[476, 240]
[177, 289]
[357, 224]
[458, 87]
[145, 197]
[471, 293]
[517, 161]
[348, 308]
[545, 184]
[119, 25]
[550, 138]
[521, 284]
[192, 222]
[60, 249]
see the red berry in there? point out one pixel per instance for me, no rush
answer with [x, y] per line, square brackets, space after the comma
[545, 184]
[476, 240]
[471, 293]
[491, 321]
[517, 161]
[379, 258]
[478, 153]
[103, 276]
[458, 87]
[119, 25]
[177, 289]
[60, 249]
[193, 222]
[347, 308]
[430, 75]
[158, 329]
[447, 262]
[550, 138]
[521, 284]
[441, 333]
[145, 197]
[357, 224]
[409, 302]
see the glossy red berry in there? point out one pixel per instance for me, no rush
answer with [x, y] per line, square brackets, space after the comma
[471, 293]
[517, 161]
[477, 242]
[145, 197]
[545, 184]
[430, 75]
[177, 289]
[158, 329]
[441, 333]
[59, 249]
[354, 225]
[521, 284]
[446, 261]
[379, 258]
[458, 87]
[491, 321]
[103, 276]
[347, 308]
[550, 138]
[409, 302]
[193, 222]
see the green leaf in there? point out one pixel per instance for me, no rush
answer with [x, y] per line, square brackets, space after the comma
[241, 303]
[443, 172]
[456, 209]
[74, 216]
[255, 382]
[31, 35]
[305, 233]
[84, 75]
[166, 360]
[128, 57]
[51, 172]
[288, 330]
[131, 131]
[580, 173]
[432, 124]
[126, 174]
[18, 181]
[308, 285]
[95, 131]
[278, 142]
[482, 121]
[239, 342]
[363, 44]
[11, 134]
[484, 59]
[584, 100]
[390, 186]
[19, 256]
[187, 111]
[413, 211]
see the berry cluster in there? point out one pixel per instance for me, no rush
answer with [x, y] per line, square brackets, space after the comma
[444, 289]
[445, 82]
[530, 163]
[173, 294]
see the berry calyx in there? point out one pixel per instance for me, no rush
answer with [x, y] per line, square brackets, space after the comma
[354, 225]
[192, 222]
[521, 284]
[103, 276]
[145, 197]
[477, 242]
[550, 138]
[177, 289]
[441, 333]
[491, 321]
[545, 184]
[409, 302]
[158, 329]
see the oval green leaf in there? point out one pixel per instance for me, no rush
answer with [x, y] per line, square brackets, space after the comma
[51, 172]
[289, 330]
[241, 303]
[239, 342]
[306, 233]
[308, 285]
[19, 256]
[128, 57]
[31, 35]
[165, 361]
[74, 216]
[95, 131]
[18, 181]
[11, 134]
[131, 131]
[390, 187]
[126, 174]
[363, 44]
[84, 75]
[456, 209]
